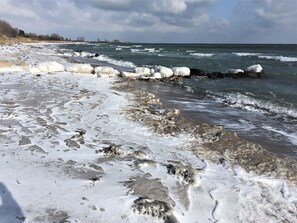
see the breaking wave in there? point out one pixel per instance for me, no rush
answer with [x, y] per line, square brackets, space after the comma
[280, 58]
[115, 62]
[202, 54]
[250, 103]
[246, 54]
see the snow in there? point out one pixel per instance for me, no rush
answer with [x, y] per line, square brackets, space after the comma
[143, 71]
[11, 69]
[50, 67]
[104, 71]
[234, 71]
[54, 130]
[254, 68]
[80, 68]
[164, 71]
[181, 71]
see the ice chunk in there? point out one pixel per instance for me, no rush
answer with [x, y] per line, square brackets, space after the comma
[80, 68]
[254, 68]
[164, 71]
[181, 71]
[50, 67]
[104, 71]
[156, 75]
[142, 70]
[130, 74]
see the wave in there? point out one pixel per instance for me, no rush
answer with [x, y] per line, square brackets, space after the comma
[115, 62]
[146, 50]
[250, 103]
[202, 54]
[291, 136]
[246, 54]
[280, 58]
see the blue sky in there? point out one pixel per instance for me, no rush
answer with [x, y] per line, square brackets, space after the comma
[180, 21]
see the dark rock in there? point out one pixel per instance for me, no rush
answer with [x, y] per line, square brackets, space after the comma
[215, 75]
[194, 72]
[96, 55]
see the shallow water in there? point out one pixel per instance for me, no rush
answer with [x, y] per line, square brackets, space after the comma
[262, 110]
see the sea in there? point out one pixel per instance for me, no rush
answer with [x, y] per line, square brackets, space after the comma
[263, 111]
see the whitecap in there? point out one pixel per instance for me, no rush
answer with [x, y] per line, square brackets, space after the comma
[202, 54]
[246, 54]
[280, 58]
[250, 103]
[291, 136]
[115, 62]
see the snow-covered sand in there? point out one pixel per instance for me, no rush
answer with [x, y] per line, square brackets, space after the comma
[72, 151]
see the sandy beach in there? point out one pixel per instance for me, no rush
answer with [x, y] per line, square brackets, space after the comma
[79, 148]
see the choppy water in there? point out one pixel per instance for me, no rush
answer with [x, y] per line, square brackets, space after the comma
[262, 110]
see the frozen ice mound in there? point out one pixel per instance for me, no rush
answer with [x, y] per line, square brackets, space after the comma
[181, 71]
[80, 68]
[50, 67]
[104, 71]
[164, 71]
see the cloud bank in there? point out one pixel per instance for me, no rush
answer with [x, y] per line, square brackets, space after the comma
[195, 21]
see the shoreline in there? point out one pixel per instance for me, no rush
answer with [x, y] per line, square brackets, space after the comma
[106, 151]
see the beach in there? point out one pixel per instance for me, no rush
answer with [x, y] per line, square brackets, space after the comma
[76, 147]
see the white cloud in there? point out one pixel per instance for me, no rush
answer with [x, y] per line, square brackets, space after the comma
[157, 20]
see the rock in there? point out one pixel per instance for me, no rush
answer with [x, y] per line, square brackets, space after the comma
[104, 71]
[51, 67]
[80, 68]
[197, 72]
[254, 71]
[186, 173]
[154, 208]
[234, 71]
[164, 71]
[181, 71]
[143, 71]
[216, 75]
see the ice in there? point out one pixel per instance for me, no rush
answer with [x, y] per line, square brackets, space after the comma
[11, 69]
[50, 67]
[80, 68]
[142, 71]
[181, 71]
[254, 68]
[234, 71]
[104, 71]
[69, 145]
[164, 71]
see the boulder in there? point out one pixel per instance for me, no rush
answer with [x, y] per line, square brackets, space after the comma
[80, 68]
[164, 71]
[234, 71]
[104, 71]
[181, 71]
[254, 71]
[215, 75]
[143, 71]
[51, 67]
[197, 72]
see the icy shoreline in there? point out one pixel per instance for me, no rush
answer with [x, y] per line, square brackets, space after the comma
[88, 149]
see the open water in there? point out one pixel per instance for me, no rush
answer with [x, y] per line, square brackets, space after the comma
[261, 110]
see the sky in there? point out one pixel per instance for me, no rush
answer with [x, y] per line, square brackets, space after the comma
[170, 21]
